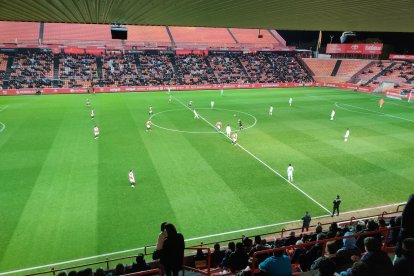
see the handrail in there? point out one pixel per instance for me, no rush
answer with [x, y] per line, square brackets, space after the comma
[146, 272]
[290, 247]
[398, 207]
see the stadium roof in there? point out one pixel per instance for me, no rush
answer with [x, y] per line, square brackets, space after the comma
[334, 15]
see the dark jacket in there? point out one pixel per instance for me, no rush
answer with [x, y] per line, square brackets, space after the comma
[238, 260]
[173, 252]
[379, 263]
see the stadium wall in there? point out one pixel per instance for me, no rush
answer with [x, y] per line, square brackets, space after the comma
[32, 91]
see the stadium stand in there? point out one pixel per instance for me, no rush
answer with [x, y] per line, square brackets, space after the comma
[3, 67]
[119, 70]
[149, 35]
[31, 70]
[228, 69]
[194, 69]
[18, 32]
[157, 70]
[76, 34]
[320, 67]
[250, 37]
[350, 67]
[77, 70]
[199, 36]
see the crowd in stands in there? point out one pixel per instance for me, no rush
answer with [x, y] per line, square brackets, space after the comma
[194, 70]
[157, 70]
[120, 70]
[77, 70]
[31, 70]
[228, 69]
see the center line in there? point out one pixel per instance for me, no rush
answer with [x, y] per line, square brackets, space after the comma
[263, 163]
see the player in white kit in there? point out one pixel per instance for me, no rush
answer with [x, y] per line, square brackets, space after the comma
[332, 114]
[170, 99]
[228, 130]
[150, 112]
[346, 137]
[88, 103]
[148, 125]
[271, 110]
[131, 178]
[96, 132]
[92, 114]
[196, 114]
[290, 172]
[212, 104]
[221, 92]
[290, 101]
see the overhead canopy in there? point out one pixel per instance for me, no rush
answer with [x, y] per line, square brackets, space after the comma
[334, 15]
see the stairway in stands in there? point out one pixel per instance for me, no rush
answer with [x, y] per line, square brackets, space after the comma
[244, 69]
[170, 35]
[336, 68]
[177, 72]
[139, 69]
[212, 70]
[55, 71]
[380, 72]
[7, 73]
[99, 66]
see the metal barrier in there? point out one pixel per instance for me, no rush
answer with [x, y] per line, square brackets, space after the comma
[208, 261]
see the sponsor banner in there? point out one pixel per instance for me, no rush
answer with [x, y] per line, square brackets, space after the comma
[29, 91]
[365, 49]
[402, 57]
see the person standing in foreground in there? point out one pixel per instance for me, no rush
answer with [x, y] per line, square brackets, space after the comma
[336, 203]
[306, 221]
[172, 251]
[290, 172]
[332, 114]
[346, 137]
[131, 178]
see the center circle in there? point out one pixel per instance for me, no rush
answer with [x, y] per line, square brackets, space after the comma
[212, 124]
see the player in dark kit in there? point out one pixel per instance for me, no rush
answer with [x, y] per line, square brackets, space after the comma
[240, 124]
[336, 203]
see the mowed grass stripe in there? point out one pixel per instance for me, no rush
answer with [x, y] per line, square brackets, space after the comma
[50, 213]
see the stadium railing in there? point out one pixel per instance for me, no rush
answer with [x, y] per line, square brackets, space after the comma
[275, 234]
[205, 266]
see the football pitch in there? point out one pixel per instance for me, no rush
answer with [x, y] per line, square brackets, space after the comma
[65, 195]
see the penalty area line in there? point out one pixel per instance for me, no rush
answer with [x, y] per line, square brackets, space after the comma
[263, 163]
[191, 239]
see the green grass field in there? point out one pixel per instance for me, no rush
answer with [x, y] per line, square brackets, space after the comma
[66, 196]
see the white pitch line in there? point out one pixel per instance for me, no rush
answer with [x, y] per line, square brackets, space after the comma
[380, 113]
[263, 163]
[3, 126]
[191, 239]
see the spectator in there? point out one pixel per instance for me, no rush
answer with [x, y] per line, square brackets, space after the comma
[298, 252]
[291, 240]
[371, 226]
[119, 269]
[306, 221]
[173, 251]
[378, 262]
[99, 272]
[230, 249]
[160, 242]
[276, 265]
[407, 225]
[140, 264]
[326, 267]
[200, 260]
[238, 259]
[217, 256]
[405, 264]
[312, 254]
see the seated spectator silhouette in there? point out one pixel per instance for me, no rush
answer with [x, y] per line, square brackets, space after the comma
[217, 256]
[200, 260]
[405, 264]
[230, 249]
[276, 265]
[379, 264]
[119, 269]
[312, 254]
[407, 225]
[238, 259]
[140, 264]
[371, 226]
